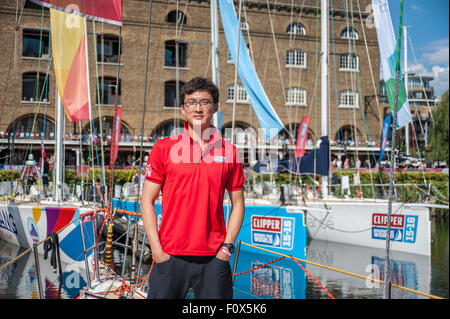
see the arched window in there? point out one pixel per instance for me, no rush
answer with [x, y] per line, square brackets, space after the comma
[170, 54]
[107, 125]
[349, 33]
[346, 135]
[34, 90]
[166, 129]
[107, 86]
[296, 28]
[176, 17]
[110, 52]
[170, 93]
[32, 125]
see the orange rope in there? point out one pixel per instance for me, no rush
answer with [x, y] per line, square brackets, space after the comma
[261, 266]
[311, 276]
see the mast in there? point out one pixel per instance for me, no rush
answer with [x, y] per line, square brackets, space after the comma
[324, 81]
[59, 150]
[215, 55]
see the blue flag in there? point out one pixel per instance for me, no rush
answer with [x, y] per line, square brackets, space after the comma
[267, 117]
[384, 136]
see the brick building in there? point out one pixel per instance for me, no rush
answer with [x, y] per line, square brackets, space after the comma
[284, 46]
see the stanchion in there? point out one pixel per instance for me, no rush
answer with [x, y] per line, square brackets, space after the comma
[38, 270]
[236, 261]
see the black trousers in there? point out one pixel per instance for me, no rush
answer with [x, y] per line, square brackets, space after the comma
[209, 277]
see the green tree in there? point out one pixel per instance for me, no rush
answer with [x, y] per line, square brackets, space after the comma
[438, 135]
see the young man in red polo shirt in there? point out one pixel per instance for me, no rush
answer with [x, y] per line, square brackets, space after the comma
[192, 170]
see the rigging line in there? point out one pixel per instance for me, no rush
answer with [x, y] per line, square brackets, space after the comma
[236, 68]
[279, 68]
[144, 105]
[100, 117]
[359, 81]
[421, 81]
[370, 68]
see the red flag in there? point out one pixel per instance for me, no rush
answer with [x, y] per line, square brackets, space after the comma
[116, 137]
[109, 11]
[302, 136]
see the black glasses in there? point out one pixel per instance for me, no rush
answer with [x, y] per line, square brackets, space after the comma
[205, 103]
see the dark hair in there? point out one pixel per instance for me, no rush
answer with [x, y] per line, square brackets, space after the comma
[199, 84]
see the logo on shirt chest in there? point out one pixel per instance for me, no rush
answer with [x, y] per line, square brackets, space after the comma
[219, 159]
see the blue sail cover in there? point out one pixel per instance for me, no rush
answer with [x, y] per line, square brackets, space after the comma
[315, 162]
[267, 117]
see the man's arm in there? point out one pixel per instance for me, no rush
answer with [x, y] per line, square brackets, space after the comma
[235, 221]
[149, 195]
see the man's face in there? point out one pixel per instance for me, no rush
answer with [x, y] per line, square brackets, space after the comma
[198, 108]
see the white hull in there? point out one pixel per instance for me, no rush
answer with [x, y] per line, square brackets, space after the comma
[363, 223]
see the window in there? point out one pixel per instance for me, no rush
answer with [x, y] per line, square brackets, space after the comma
[229, 57]
[176, 17]
[107, 92]
[107, 125]
[349, 33]
[296, 28]
[170, 54]
[244, 24]
[348, 99]
[348, 62]
[33, 41]
[295, 96]
[242, 96]
[31, 122]
[110, 48]
[170, 93]
[296, 58]
[33, 90]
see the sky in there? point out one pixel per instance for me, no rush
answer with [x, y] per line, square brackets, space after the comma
[427, 25]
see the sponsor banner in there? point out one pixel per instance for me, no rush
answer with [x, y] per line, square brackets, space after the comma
[272, 231]
[403, 227]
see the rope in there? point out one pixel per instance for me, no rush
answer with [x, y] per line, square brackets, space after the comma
[311, 276]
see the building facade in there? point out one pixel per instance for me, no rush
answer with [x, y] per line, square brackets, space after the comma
[283, 40]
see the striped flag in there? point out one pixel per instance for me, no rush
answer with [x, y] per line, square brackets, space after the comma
[109, 11]
[68, 34]
[389, 63]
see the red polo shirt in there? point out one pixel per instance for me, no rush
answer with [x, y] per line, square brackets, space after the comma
[193, 186]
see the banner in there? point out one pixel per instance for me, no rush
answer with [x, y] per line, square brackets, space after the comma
[384, 136]
[388, 59]
[68, 36]
[267, 117]
[109, 11]
[116, 137]
[302, 136]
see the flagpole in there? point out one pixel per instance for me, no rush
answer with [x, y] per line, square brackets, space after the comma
[387, 281]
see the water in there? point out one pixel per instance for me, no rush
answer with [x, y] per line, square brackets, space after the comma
[282, 279]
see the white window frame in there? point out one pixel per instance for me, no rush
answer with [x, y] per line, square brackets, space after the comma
[346, 62]
[349, 33]
[242, 96]
[346, 98]
[296, 59]
[296, 28]
[295, 96]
